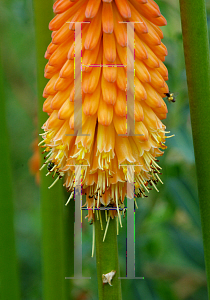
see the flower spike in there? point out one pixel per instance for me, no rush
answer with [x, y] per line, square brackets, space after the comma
[104, 144]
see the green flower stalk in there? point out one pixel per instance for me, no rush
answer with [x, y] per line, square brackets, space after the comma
[107, 259]
[196, 49]
[9, 281]
[52, 201]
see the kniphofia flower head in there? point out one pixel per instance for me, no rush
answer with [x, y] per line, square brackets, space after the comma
[102, 151]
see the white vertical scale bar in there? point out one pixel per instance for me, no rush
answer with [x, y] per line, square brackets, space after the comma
[130, 241]
[130, 79]
[130, 169]
[77, 224]
[78, 227]
[78, 126]
[78, 81]
[130, 225]
[130, 131]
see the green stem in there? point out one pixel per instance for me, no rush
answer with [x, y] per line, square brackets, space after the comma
[196, 48]
[107, 259]
[52, 201]
[69, 243]
[9, 282]
[53, 244]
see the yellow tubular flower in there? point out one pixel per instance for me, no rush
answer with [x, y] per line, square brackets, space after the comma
[102, 151]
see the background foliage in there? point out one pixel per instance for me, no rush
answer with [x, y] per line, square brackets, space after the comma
[169, 251]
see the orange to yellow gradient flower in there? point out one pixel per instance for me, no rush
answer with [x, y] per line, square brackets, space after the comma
[102, 150]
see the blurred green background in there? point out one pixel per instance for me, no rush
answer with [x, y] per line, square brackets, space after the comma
[169, 250]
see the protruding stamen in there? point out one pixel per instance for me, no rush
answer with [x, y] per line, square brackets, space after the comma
[98, 200]
[116, 195]
[54, 182]
[43, 141]
[97, 215]
[158, 178]
[107, 225]
[67, 202]
[168, 137]
[100, 220]
[93, 242]
[136, 203]
[154, 186]
[44, 133]
[42, 167]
